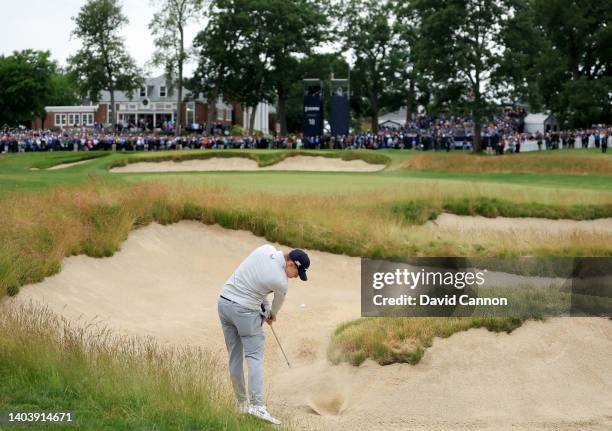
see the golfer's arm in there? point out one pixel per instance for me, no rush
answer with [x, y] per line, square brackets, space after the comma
[277, 302]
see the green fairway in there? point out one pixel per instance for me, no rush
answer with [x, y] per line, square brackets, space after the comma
[15, 174]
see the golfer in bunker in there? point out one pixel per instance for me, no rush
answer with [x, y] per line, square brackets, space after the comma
[243, 307]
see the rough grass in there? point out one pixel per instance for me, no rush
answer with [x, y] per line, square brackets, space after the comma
[110, 382]
[40, 228]
[403, 339]
[549, 162]
[393, 339]
[420, 211]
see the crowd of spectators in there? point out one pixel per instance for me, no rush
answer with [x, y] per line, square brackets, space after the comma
[500, 134]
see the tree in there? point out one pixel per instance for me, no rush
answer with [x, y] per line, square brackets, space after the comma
[408, 87]
[369, 33]
[103, 63]
[291, 29]
[215, 46]
[168, 28]
[559, 56]
[579, 40]
[26, 85]
[460, 50]
[237, 27]
[525, 65]
[62, 90]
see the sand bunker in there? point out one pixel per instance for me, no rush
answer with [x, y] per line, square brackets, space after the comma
[165, 282]
[544, 226]
[63, 165]
[322, 164]
[512, 232]
[297, 163]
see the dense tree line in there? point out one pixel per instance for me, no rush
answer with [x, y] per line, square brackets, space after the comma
[460, 57]
[29, 81]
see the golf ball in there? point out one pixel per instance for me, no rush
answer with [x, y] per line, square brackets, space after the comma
[302, 305]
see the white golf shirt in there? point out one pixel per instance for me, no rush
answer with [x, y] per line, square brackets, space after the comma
[260, 274]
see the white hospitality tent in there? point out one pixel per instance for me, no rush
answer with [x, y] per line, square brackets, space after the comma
[541, 123]
[390, 124]
[398, 117]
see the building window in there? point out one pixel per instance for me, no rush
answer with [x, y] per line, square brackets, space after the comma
[190, 113]
[87, 119]
[60, 119]
[163, 91]
[143, 92]
[74, 119]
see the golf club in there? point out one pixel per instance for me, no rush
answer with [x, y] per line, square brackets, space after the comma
[279, 345]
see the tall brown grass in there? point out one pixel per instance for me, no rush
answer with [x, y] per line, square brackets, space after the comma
[40, 228]
[110, 381]
[548, 162]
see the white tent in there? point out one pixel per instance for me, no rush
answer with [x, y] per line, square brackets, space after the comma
[540, 123]
[398, 117]
[390, 124]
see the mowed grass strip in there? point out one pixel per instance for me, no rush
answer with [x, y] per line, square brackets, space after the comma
[110, 382]
[566, 162]
[60, 158]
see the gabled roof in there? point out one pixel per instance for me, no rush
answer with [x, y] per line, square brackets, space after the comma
[152, 85]
[390, 123]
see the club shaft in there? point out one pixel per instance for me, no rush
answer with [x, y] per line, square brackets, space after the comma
[280, 345]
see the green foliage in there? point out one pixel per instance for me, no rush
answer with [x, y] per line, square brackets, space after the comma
[381, 36]
[102, 62]
[27, 85]
[585, 102]
[248, 50]
[459, 50]
[239, 26]
[62, 90]
[168, 28]
[417, 211]
[237, 131]
[558, 57]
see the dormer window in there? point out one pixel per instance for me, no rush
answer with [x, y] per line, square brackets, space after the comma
[163, 91]
[143, 92]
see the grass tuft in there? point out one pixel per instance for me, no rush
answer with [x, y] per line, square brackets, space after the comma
[403, 339]
[48, 363]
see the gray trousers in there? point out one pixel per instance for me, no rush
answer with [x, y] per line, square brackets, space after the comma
[244, 335]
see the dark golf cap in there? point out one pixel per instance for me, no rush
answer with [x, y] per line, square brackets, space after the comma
[301, 260]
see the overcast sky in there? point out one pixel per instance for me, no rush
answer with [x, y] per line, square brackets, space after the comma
[47, 24]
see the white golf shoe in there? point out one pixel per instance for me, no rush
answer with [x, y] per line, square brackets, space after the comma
[243, 408]
[262, 413]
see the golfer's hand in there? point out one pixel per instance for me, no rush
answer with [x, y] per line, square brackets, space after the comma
[271, 319]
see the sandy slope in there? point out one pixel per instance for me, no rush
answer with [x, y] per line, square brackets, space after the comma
[64, 165]
[471, 224]
[165, 281]
[297, 163]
